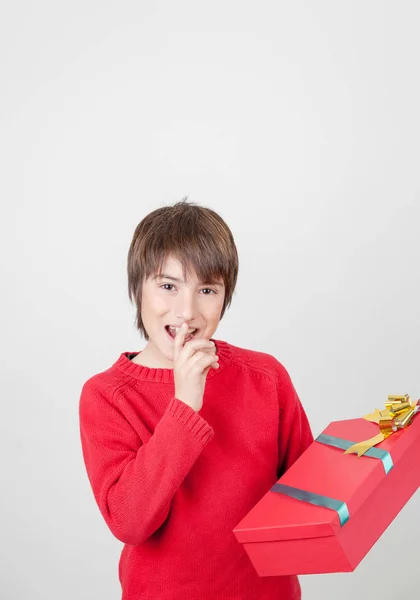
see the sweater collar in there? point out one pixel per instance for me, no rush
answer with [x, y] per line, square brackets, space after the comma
[127, 366]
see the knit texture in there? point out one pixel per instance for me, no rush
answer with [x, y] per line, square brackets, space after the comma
[172, 483]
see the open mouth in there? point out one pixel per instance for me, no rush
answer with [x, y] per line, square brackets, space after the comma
[172, 333]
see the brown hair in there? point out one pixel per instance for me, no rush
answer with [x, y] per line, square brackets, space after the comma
[194, 235]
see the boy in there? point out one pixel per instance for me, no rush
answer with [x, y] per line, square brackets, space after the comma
[182, 439]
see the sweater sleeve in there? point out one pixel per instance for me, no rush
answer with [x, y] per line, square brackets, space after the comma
[295, 433]
[134, 482]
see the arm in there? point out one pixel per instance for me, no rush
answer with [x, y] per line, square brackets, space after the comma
[134, 482]
[295, 433]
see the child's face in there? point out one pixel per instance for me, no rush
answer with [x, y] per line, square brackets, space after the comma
[168, 302]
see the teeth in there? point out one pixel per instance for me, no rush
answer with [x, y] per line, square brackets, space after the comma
[176, 328]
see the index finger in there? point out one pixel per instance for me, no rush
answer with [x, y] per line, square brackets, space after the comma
[179, 339]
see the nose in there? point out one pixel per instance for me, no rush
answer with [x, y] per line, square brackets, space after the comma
[186, 308]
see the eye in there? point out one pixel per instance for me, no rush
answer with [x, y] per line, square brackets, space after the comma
[171, 286]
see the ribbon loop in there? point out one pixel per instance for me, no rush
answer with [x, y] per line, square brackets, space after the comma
[398, 414]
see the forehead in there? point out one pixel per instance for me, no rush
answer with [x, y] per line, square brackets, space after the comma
[173, 265]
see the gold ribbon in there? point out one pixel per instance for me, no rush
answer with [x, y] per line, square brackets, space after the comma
[397, 415]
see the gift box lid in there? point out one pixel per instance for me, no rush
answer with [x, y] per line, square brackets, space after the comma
[327, 471]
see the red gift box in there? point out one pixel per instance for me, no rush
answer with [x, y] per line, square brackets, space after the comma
[283, 535]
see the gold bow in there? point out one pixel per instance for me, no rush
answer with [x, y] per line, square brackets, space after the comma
[397, 415]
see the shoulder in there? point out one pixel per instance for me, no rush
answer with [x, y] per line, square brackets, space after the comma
[260, 363]
[102, 387]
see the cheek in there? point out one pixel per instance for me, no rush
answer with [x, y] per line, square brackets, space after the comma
[158, 305]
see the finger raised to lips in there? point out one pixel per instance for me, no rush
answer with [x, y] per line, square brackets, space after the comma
[180, 334]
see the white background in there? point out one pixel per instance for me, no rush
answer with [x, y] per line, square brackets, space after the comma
[299, 123]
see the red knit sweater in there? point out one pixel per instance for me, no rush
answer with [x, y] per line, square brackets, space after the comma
[172, 483]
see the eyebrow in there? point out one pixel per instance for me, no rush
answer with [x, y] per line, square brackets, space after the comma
[163, 276]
